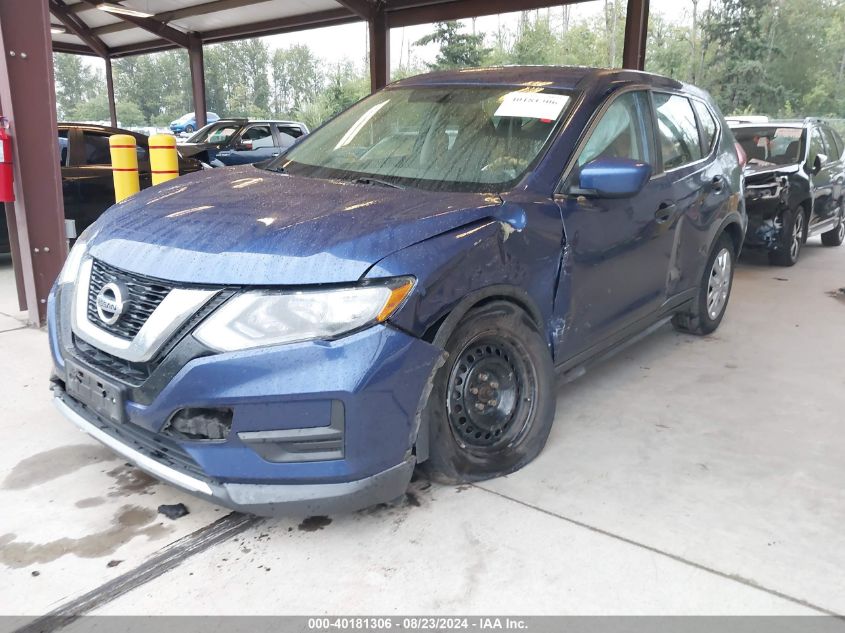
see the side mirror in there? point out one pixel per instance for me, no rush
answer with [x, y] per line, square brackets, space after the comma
[820, 162]
[612, 178]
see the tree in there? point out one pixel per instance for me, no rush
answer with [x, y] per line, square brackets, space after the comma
[457, 50]
[76, 83]
[297, 78]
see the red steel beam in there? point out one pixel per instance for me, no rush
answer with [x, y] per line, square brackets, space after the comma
[636, 35]
[423, 13]
[379, 50]
[197, 63]
[73, 24]
[110, 92]
[30, 106]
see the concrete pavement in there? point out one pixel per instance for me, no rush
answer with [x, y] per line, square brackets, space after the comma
[684, 476]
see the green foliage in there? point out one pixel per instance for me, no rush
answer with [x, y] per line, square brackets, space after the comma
[457, 50]
[76, 84]
[776, 57]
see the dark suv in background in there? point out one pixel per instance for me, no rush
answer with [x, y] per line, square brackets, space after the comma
[87, 182]
[795, 185]
[230, 142]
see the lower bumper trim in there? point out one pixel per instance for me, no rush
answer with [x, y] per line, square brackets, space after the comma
[265, 499]
[142, 461]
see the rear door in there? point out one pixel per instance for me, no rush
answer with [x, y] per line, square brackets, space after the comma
[619, 249]
[836, 167]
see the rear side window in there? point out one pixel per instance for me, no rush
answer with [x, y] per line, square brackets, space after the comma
[63, 148]
[680, 143]
[290, 130]
[96, 149]
[621, 132]
[708, 126]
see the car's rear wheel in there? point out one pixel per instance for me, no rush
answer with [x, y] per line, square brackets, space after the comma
[189, 129]
[714, 292]
[492, 402]
[791, 238]
[836, 236]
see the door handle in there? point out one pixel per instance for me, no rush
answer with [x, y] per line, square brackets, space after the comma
[718, 184]
[664, 213]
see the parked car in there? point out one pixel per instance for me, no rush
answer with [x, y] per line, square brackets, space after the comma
[795, 186]
[187, 123]
[87, 181]
[241, 141]
[401, 287]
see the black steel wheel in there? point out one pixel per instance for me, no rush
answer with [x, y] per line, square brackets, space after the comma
[492, 403]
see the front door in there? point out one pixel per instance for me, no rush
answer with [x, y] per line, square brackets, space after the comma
[619, 250]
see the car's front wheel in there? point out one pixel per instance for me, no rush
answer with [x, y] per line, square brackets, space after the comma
[836, 236]
[493, 401]
[791, 239]
[189, 129]
[714, 292]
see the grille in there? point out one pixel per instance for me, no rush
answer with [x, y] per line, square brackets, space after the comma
[145, 295]
[130, 373]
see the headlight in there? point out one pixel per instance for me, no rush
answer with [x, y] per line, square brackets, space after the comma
[265, 317]
[70, 271]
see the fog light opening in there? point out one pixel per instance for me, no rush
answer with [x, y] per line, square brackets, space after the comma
[200, 424]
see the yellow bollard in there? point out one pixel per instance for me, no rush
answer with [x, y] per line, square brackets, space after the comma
[124, 166]
[164, 162]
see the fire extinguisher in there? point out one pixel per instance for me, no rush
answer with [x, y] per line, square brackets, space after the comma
[7, 182]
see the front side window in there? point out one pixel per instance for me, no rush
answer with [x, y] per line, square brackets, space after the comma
[257, 137]
[833, 149]
[680, 143]
[816, 145]
[441, 138]
[215, 133]
[620, 133]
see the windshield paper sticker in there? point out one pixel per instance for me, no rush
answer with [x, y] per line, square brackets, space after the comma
[532, 105]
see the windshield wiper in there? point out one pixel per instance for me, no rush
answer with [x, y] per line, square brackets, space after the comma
[366, 180]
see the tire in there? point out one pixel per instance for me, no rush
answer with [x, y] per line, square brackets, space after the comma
[493, 401]
[792, 238]
[836, 236]
[714, 292]
[189, 129]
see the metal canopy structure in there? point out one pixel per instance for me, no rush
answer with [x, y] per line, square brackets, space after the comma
[92, 27]
[118, 28]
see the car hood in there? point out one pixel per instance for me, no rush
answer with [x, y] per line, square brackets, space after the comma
[192, 149]
[755, 170]
[245, 226]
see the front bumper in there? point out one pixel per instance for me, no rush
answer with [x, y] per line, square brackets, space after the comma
[260, 499]
[375, 378]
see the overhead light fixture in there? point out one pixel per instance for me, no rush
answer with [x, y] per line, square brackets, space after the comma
[112, 7]
[56, 29]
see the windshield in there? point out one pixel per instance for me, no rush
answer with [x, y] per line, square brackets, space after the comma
[215, 133]
[450, 139]
[771, 145]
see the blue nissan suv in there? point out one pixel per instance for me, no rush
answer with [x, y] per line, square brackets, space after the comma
[401, 287]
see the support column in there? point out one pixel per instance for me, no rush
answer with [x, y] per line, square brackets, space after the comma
[636, 35]
[379, 49]
[197, 78]
[110, 90]
[38, 214]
